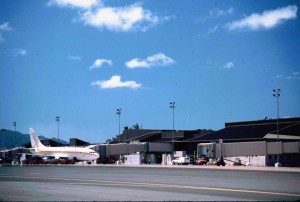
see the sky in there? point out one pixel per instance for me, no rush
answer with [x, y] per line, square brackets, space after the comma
[219, 61]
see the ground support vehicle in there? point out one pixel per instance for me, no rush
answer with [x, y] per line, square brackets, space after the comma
[201, 161]
[181, 161]
[218, 162]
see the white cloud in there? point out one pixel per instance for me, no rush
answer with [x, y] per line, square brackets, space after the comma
[20, 52]
[268, 19]
[292, 76]
[213, 29]
[74, 57]
[220, 12]
[214, 14]
[228, 65]
[136, 62]
[279, 76]
[122, 19]
[99, 62]
[83, 4]
[159, 59]
[115, 82]
[127, 18]
[5, 27]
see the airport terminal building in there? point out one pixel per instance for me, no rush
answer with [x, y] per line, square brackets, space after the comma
[252, 142]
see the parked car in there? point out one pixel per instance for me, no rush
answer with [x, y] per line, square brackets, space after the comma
[181, 161]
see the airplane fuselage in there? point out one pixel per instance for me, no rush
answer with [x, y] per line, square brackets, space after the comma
[78, 153]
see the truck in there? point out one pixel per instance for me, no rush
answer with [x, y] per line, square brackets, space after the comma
[181, 161]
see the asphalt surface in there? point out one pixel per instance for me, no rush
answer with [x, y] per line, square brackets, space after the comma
[147, 183]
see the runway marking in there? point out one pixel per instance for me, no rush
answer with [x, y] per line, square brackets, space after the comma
[143, 184]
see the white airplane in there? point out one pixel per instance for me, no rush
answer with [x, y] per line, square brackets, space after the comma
[76, 153]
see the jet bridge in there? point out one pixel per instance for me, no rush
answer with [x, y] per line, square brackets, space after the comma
[149, 147]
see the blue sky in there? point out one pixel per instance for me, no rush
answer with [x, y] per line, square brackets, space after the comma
[81, 60]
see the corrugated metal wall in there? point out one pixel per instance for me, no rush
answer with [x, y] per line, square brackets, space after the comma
[252, 149]
[274, 148]
[133, 148]
[228, 149]
[244, 149]
[291, 147]
[119, 149]
[160, 147]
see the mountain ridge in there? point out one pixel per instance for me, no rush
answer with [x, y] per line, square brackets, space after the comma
[10, 139]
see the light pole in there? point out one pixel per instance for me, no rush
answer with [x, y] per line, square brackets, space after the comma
[119, 113]
[15, 126]
[277, 95]
[57, 119]
[172, 106]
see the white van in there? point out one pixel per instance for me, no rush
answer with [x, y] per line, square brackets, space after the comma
[181, 161]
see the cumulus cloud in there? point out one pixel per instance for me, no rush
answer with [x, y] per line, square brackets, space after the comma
[83, 4]
[20, 52]
[122, 19]
[99, 63]
[228, 65]
[159, 59]
[115, 82]
[268, 19]
[127, 18]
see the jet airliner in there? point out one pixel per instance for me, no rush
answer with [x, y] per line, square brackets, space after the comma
[76, 153]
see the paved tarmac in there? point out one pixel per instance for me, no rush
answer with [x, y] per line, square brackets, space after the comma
[205, 167]
[148, 183]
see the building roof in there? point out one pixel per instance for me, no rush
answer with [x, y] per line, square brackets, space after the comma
[148, 137]
[142, 135]
[255, 130]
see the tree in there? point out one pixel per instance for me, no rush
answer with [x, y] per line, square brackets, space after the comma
[137, 126]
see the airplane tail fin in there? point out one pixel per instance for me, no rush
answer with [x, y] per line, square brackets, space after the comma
[35, 142]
